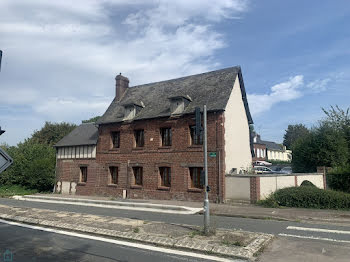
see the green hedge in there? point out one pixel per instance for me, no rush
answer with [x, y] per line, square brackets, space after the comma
[339, 179]
[307, 197]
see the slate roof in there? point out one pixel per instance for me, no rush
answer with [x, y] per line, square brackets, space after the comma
[272, 145]
[85, 134]
[212, 88]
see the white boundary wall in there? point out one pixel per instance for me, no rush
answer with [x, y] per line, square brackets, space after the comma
[255, 187]
[237, 188]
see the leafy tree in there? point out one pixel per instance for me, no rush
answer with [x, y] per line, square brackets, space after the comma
[323, 146]
[33, 167]
[51, 133]
[35, 158]
[293, 133]
[91, 120]
[339, 119]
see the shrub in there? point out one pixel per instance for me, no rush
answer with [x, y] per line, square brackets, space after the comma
[308, 197]
[339, 179]
[307, 183]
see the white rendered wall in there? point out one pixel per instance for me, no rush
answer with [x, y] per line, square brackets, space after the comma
[237, 141]
[269, 184]
[237, 188]
[316, 179]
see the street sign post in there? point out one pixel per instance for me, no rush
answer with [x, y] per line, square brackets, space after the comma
[5, 160]
[199, 131]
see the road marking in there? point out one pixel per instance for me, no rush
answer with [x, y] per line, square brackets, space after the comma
[319, 230]
[123, 243]
[156, 210]
[315, 238]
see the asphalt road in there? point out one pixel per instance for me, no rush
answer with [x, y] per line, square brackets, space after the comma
[29, 245]
[335, 234]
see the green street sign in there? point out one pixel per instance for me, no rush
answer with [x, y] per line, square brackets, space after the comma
[212, 154]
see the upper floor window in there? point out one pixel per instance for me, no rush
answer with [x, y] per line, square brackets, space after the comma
[138, 173]
[139, 138]
[113, 173]
[196, 140]
[165, 176]
[166, 136]
[115, 139]
[197, 180]
[83, 174]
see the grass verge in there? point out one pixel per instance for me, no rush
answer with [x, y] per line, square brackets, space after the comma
[12, 190]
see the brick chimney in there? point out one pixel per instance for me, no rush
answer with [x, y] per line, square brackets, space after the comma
[121, 84]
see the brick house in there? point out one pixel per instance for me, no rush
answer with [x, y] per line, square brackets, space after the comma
[259, 148]
[267, 150]
[144, 145]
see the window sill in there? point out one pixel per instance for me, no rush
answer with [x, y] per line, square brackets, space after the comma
[115, 149]
[136, 187]
[138, 148]
[81, 183]
[112, 185]
[164, 147]
[164, 188]
[195, 146]
[197, 190]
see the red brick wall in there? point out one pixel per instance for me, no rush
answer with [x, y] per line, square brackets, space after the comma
[180, 156]
[254, 189]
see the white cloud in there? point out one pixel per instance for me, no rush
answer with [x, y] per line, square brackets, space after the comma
[319, 85]
[69, 109]
[293, 88]
[72, 51]
[284, 91]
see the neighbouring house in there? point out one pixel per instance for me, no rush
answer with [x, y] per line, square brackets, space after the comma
[144, 145]
[277, 152]
[267, 150]
[259, 149]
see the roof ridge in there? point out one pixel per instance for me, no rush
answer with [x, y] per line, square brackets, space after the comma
[188, 76]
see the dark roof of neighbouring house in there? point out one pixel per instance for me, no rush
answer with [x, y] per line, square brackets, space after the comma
[212, 89]
[272, 145]
[85, 134]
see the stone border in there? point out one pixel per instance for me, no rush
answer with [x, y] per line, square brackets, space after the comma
[248, 253]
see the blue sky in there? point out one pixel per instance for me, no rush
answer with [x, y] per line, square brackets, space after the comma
[60, 59]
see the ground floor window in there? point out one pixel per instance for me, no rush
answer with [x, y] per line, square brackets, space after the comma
[165, 176]
[113, 174]
[138, 172]
[83, 174]
[197, 180]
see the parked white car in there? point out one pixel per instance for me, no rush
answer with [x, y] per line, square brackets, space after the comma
[263, 170]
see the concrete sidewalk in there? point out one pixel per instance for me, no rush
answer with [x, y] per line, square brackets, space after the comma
[116, 204]
[240, 209]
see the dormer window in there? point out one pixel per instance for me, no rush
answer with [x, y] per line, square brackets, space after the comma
[131, 110]
[178, 104]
